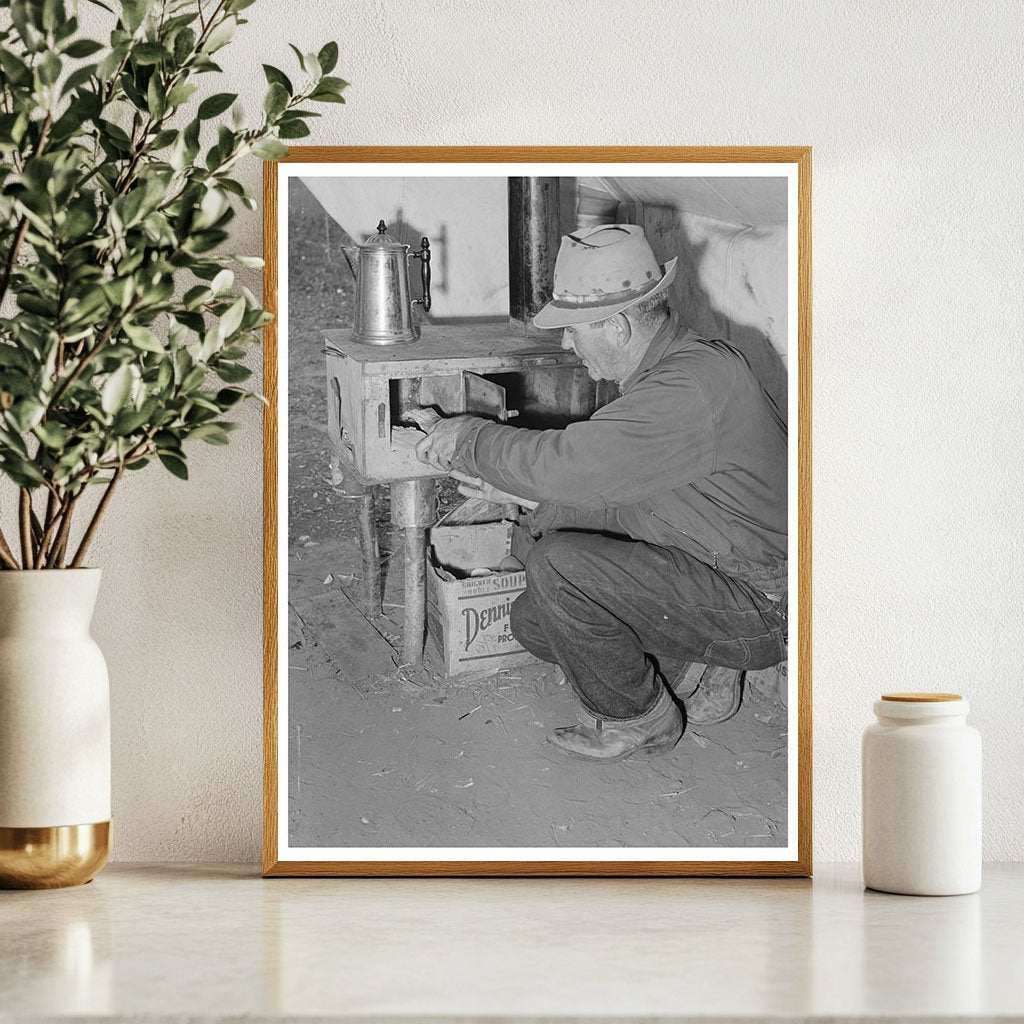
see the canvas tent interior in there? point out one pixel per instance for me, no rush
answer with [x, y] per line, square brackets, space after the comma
[730, 234]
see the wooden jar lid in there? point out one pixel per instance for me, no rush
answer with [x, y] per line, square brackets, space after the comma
[921, 698]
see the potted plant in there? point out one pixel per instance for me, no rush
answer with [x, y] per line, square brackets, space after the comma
[122, 341]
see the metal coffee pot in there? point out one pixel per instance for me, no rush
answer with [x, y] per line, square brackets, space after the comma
[383, 306]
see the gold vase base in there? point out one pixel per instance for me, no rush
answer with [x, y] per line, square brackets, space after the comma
[53, 857]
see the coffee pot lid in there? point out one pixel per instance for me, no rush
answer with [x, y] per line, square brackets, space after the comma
[382, 240]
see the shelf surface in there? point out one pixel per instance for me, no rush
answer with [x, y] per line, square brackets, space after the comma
[490, 344]
[179, 942]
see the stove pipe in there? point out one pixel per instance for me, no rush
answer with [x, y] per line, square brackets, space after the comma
[534, 235]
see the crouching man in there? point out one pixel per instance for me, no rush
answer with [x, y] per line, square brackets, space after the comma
[662, 519]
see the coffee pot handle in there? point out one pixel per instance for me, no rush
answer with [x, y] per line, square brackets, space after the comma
[424, 257]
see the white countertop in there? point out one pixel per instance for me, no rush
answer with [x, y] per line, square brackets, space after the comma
[179, 941]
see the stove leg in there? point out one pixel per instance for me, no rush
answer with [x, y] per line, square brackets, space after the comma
[415, 595]
[370, 550]
[414, 509]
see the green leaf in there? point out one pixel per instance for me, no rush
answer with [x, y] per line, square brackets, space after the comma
[83, 48]
[184, 44]
[311, 65]
[228, 397]
[11, 356]
[269, 149]
[53, 435]
[156, 101]
[26, 414]
[163, 139]
[144, 338]
[195, 296]
[181, 94]
[37, 304]
[211, 433]
[193, 321]
[129, 207]
[223, 280]
[21, 471]
[216, 104]
[232, 373]
[119, 291]
[276, 99]
[116, 133]
[133, 12]
[275, 76]
[324, 96]
[185, 147]
[16, 70]
[193, 379]
[11, 443]
[65, 27]
[232, 319]
[53, 14]
[334, 84]
[109, 65]
[211, 208]
[128, 421]
[328, 57]
[293, 130]
[164, 376]
[78, 78]
[175, 464]
[27, 22]
[149, 53]
[168, 441]
[221, 35]
[49, 68]
[116, 390]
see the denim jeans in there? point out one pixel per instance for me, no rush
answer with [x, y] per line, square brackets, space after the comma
[619, 616]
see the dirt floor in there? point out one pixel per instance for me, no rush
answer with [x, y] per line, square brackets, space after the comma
[392, 756]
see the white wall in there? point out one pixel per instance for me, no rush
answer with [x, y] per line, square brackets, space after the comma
[913, 110]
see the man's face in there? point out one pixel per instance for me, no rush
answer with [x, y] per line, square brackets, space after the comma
[598, 346]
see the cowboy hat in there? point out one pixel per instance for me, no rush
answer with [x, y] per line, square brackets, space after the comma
[600, 272]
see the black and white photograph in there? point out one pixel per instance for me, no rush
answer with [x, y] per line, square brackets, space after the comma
[537, 519]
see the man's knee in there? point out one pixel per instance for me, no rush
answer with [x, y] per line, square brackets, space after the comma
[525, 623]
[551, 560]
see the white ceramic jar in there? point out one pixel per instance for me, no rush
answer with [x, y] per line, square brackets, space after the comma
[921, 777]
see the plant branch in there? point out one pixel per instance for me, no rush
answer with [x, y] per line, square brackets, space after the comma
[51, 524]
[25, 522]
[37, 529]
[12, 255]
[6, 554]
[22, 228]
[94, 523]
[87, 357]
[60, 543]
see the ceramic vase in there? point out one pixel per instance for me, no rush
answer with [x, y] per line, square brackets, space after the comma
[921, 769]
[54, 731]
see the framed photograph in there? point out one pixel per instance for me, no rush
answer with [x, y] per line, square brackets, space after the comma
[538, 511]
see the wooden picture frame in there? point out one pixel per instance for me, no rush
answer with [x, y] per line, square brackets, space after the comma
[791, 162]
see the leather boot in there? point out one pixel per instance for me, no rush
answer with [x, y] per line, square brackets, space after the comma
[710, 694]
[602, 739]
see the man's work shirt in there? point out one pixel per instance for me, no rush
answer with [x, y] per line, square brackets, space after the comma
[693, 455]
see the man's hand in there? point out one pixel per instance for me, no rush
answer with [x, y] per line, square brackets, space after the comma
[475, 487]
[437, 449]
[425, 419]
